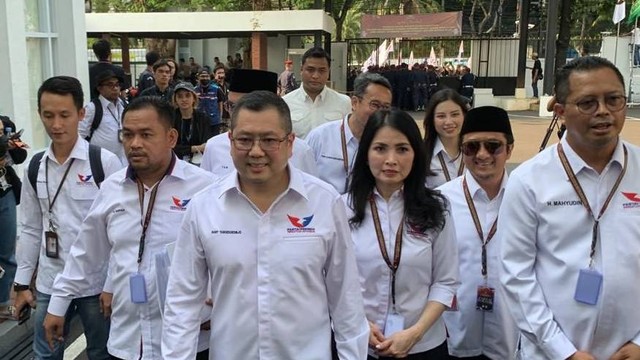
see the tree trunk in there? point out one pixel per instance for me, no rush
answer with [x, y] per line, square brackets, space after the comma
[564, 33]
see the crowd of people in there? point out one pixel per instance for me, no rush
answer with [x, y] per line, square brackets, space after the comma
[324, 226]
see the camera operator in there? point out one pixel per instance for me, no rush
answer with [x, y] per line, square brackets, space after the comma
[9, 198]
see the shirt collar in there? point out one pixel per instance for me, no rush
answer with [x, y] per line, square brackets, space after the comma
[439, 148]
[176, 169]
[79, 151]
[396, 194]
[320, 98]
[348, 135]
[475, 188]
[577, 163]
[105, 102]
[296, 183]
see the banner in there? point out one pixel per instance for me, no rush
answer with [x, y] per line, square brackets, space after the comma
[412, 26]
[619, 12]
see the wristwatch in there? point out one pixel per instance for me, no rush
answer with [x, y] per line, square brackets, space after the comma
[19, 287]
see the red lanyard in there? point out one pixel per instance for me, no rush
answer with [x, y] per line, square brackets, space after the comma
[578, 189]
[445, 169]
[397, 252]
[476, 222]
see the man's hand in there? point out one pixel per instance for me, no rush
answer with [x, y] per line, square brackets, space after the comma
[105, 304]
[375, 335]
[581, 355]
[23, 298]
[628, 351]
[399, 344]
[53, 328]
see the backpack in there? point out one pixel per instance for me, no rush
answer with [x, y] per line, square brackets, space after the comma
[95, 162]
[97, 116]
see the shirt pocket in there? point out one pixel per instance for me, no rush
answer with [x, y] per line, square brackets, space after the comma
[299, 114]
[84, 191]
[332, 115]
[301, 250]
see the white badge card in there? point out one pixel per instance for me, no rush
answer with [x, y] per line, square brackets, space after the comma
[588, 287]
[138, 288]
[394, 324]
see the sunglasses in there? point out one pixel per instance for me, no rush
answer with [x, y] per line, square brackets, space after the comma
[493, 147]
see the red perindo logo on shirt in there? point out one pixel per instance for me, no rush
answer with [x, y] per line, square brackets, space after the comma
[634, 200]
[301, 224]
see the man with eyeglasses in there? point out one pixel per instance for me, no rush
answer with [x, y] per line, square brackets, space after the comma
[313, 103]
[335, 143]
[481, 326]
[217, 158]
[570, 226]
[275, 243]
[103, 115]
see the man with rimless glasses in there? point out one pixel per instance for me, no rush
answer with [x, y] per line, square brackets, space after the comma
[481, 327]
[275, 243]
[571, 229]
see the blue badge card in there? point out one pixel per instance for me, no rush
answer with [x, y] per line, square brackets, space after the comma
[138, 288]
[588, 288]
[395, 323]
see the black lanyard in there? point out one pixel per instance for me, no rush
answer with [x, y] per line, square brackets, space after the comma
[345, 156]
[445, 169]
[116, 116]
[186, 131]
[578, 189]
[397, 252]
[55, 197]
[476, 222]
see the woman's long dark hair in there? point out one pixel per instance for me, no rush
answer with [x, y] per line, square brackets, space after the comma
[430, 133]
[423, 207]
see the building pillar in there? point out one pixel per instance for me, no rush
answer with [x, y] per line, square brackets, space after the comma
[259, 50]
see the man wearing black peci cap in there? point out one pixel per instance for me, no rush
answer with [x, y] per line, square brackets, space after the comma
[217, 158]
[481, 326]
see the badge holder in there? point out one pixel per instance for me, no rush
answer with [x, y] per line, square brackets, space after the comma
[588, 286]
[394, 323]
[51, 242]
[485, 298]
[138, 288]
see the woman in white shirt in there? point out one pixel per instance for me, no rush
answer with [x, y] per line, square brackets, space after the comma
[404, 241]
[442, 122]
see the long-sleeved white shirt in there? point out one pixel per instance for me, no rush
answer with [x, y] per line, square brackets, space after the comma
[307, 114]
[428, 269]
[217, 156]
[547, 239]
[474, 332]
[110, 238]
[76, 195]
[106, 135]
[326, 143]
[279, 280]
[453, 166]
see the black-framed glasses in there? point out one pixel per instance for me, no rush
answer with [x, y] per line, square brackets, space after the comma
[245, 143]
[375, 105]
[493, 147]
[590, 106]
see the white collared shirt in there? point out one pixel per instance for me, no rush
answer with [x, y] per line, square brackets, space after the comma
[307, 114]
[428, 269]
[280, 279]
[217, 156]
[76, 195]
[106, 135]
[474, 332]
[547, 236]
[452, 168]
[110, 237]
[326, 143]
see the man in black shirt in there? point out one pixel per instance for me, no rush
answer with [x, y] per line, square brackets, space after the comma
[162, 75]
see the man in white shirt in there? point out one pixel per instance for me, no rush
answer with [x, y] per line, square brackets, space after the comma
[570, 274]
[275, 243]
[481, 327]
[137, 213]
[51, 214]
[335, 143]
[217, 152]
[313, 103]
[102, 130]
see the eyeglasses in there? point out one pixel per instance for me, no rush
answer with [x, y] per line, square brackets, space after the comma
[471, 148]
[590, 106]
[375, 105]
[111, 84]
[245, 143]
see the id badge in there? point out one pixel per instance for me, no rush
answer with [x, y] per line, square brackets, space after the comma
[485, 298]
[4, 185]
[395, 323]
[588, 287]
[138, 288]
[51, 242]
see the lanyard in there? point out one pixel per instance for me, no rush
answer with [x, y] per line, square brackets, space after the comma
[445, 169]
[345, 155]
[115, 116]
[578, 189]
[186, 131]
[397, 252]
[476, 222]
[55, 197]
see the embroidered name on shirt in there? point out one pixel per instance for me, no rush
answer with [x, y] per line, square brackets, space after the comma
[301, 225]
[226, 232]
[635, 200]
[564, 203]
[118, 210]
